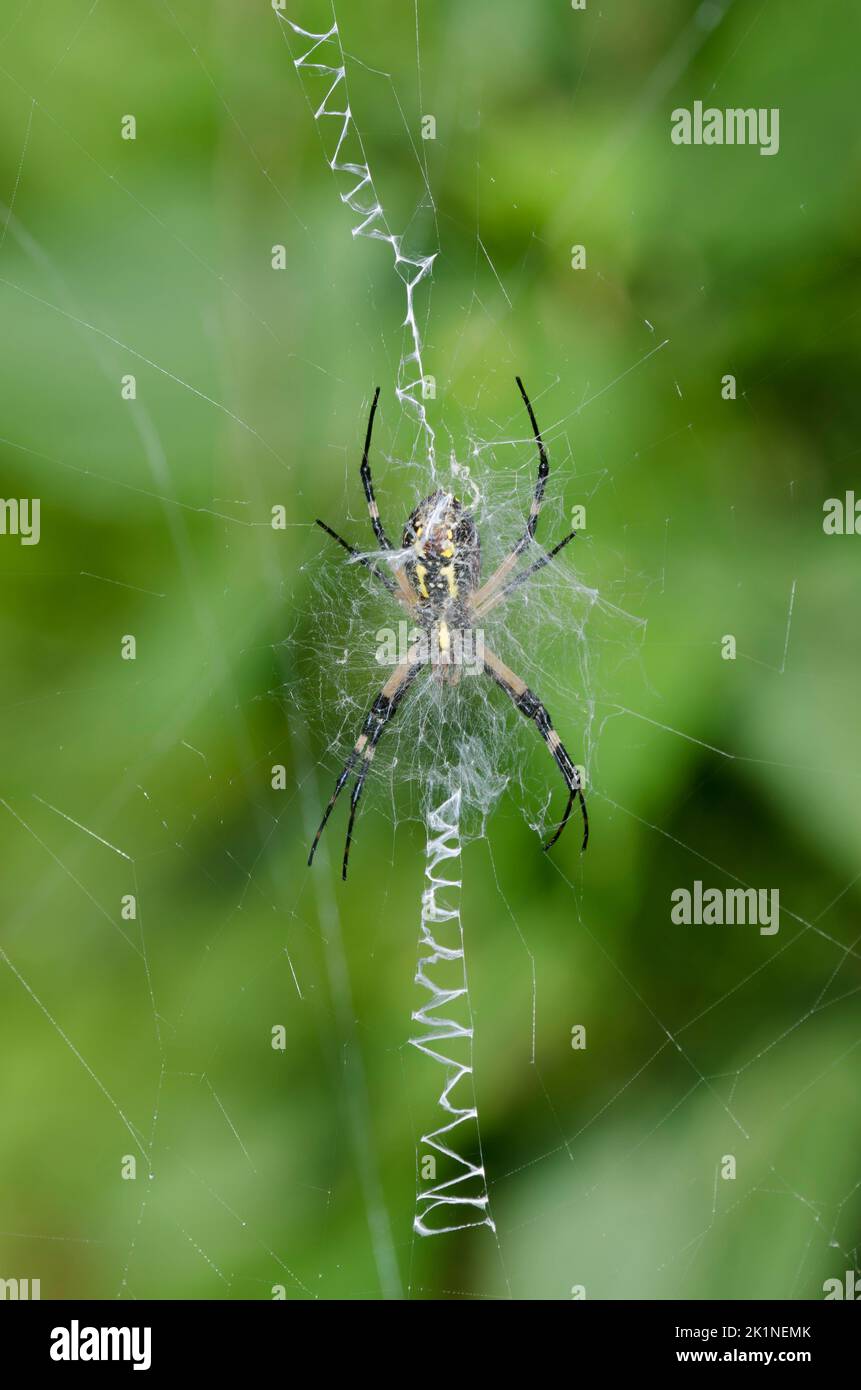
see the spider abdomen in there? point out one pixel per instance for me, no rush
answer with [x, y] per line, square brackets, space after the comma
[444, 554]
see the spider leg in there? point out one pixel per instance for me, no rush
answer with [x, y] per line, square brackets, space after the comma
[357, 555]
[379, 531]
[383, 541]
[541, 480]
[526, 574]
[497, 579]
[531, 707]
[378, 716]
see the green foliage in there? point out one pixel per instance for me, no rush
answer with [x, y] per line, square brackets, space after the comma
[152, 257]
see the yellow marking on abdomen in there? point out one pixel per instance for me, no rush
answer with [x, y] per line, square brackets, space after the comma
[421, 571]
[444, 638]
[448, 571]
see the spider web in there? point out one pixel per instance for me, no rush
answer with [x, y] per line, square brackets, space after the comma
[265, 1171]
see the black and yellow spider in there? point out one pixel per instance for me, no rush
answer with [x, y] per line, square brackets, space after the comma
[436, 577]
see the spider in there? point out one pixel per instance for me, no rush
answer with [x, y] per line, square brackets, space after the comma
[436, 577]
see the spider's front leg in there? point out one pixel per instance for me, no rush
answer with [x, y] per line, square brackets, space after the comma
[365, 470]
[362, 559]
[531, 707]
[379, 530]
[497, 579]
[378, 716]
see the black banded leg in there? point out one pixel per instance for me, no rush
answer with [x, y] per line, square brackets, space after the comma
[541, 480]
[357, 555]
[359, 786]
[531, 707]
[382, 539]
[339, 785]
[381, 711]
[357, 752]
[403, 588]
[383, 714]
[497, 579]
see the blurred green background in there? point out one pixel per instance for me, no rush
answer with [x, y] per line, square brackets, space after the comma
[259, 1167]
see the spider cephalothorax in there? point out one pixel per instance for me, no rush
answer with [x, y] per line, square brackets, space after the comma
[436, 578]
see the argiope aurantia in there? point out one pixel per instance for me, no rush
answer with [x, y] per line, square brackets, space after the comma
[435, 575]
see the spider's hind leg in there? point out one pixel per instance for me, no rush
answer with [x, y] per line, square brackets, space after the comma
[531, 707]
[378, 716]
